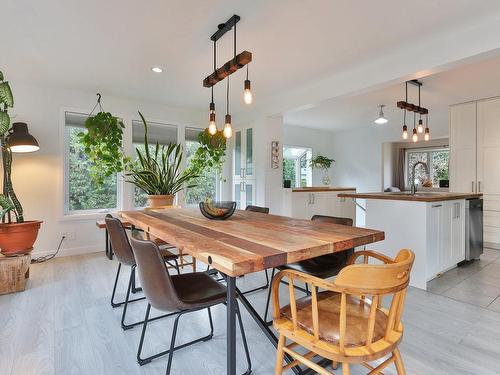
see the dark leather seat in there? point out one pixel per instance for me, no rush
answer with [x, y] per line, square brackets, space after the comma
[198, 290]
[328, 265]
[177, 294]
[263, 210]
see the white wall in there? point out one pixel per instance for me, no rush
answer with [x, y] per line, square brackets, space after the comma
[319, 140]
[37, 177]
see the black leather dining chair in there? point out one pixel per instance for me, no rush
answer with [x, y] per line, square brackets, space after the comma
[177, 294]
[125, 256]
[324, 266]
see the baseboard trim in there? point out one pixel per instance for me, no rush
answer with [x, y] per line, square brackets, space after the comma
[492, 245]
[81, 250]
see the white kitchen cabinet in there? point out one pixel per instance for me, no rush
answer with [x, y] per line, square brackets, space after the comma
[463, 148]
[474, 156]
[243, 169]
[306, 204]
[446, 236]
[244, 193]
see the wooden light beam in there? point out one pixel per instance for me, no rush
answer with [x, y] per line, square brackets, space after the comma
[236, 63]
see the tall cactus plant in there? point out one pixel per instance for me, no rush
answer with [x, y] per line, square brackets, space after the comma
[8, 201]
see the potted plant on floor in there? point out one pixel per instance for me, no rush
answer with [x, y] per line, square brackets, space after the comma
[324, 163]
[157, 171]
[16, 237]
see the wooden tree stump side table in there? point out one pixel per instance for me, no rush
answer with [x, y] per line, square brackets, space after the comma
[14, 273]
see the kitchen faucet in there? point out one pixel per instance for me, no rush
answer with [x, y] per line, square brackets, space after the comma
[413, 186]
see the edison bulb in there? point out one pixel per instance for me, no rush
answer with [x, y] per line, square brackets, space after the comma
[420, 127]
[228, 131]
[247, 96]
[212, 128]
[414, 137]
[427, 135]
[405, 132]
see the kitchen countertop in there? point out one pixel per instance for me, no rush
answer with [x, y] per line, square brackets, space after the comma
[420, 196]
[321, 188]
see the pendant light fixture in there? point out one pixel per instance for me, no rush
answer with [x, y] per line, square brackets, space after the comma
[212, 126]
[427, 134]
[19, 140]
[228, 130]
[420, 127]
[416, 109]
[380, 120]
[247, 93]
[414, 137]
[405, 128]
[234, 64]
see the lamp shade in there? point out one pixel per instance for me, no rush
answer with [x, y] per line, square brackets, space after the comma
[20, 140]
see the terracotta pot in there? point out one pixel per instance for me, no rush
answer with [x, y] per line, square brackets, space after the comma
[18, 238]
[160, 200]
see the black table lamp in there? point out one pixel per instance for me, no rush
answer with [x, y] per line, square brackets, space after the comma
[20, 140]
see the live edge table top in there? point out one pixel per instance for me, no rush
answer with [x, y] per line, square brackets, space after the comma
[248, 241]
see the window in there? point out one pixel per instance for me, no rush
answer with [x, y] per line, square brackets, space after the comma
[207, 181]
[296, 166]
[437, 160]
[81, 193]
[161, 133]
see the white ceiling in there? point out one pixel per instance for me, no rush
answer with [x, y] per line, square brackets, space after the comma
[468, 82]
[111, 45]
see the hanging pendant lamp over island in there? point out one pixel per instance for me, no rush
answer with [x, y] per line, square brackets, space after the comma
[218, 74]
[380, 120]
[416, 109]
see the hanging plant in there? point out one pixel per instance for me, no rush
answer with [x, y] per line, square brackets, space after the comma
[321, 162]
[211, 153]
[102, 143]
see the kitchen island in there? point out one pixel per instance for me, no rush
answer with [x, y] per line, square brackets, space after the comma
[431, 224]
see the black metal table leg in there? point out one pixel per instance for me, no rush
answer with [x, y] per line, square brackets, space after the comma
[231, 325]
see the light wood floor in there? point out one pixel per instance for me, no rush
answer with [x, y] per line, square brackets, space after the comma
[63, 324]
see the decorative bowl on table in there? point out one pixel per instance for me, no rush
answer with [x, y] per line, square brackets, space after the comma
[217, 210]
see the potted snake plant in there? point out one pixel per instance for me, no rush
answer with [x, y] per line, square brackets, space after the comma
[17, 236]
[157, 171]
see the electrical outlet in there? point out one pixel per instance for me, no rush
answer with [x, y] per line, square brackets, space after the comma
[69, 236]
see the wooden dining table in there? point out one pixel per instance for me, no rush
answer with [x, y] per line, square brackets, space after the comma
[247, 242]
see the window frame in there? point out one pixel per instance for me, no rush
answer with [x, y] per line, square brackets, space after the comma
[297, 163]
[428, 151]
[96, 212]
[125, 197]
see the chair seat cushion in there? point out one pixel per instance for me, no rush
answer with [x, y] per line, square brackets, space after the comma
[198, 290]
[324, 266]
[329, 318]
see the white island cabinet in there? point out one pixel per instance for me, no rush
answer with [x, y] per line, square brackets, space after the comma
[430, 224]
[304, 203]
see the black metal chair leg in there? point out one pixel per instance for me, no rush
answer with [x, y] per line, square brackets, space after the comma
[117, 304]
[244, 338]
[172, 345]
[143, 361]
[263, 287]
[125, 326]
[135, 289]
[269, 299]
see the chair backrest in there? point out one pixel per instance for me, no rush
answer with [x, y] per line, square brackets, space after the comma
[358, 282]
[155, 280]
[263, 210]
[333, 220]
[119, 240]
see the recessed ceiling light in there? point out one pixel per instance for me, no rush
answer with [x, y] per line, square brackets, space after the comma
[157, 69]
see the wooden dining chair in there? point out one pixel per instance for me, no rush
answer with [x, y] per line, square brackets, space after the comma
[123, 251]
[177, 295]
[324, 266]
[345, 321]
